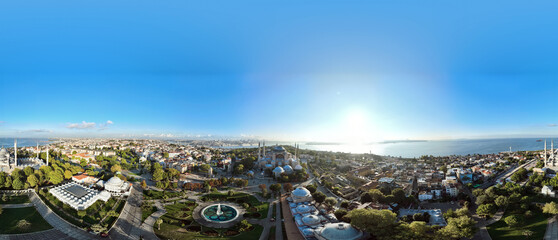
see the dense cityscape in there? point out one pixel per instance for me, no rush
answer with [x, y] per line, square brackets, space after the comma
[157, 189]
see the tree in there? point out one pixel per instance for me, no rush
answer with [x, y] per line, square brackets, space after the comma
[98, 228]
[482, 199]
[287, 187]
[344, 204]
[330, 202]
[311, 188]
[158, 175]
[377, 195]
[550, 208]
[457, 228]
[8, 181]
[486, 210]
[514, 220]
[381, 223]
[67, 174]
[143, 184]
[116, 168]
[81, 214]
[399, 195]
[276, 188]
[17, 184]
[1, 210]
[319, 197]
[263, 187]
[244, 225]
[501, 201]
[418, 229]
[365, 197]
[159, 221]
[239, 169]
[519, 175]
[32, 180]
[340, 213]
[28, 171]
[112, 213]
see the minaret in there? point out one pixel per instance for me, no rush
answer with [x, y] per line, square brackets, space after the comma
[545, 152]
[15, 151]
[264, 148]
[296, 150]
[259, 151]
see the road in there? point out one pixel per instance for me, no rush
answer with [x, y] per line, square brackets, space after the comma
[508, 173]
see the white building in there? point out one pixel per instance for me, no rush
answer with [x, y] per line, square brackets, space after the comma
[117, 187]
[548, 191]
[78, 196]
[425, 196]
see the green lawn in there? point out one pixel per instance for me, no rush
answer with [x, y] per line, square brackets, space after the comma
[171, 231]
[537, 224]
[15, 199]
[146, 213]
[152, 194]
[179, 218]
[11, 216]
[240, 198]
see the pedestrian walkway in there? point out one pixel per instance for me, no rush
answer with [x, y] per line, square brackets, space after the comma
[147, 227]
[551, 229]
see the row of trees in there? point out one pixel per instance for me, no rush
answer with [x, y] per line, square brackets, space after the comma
[397, 196]
[383, 225]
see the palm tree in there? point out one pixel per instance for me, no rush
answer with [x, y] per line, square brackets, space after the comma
[159, 221]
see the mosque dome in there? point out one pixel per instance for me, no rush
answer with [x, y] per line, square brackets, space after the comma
[303, 208]
[278, 170]
[300, 192]
[311, 220]
[298, 167]
[288, 168]
[339, 231]
[114, 181]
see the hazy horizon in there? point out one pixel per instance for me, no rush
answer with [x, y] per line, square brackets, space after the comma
[353, 72]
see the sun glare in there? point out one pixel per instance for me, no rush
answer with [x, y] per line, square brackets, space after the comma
[355, 126]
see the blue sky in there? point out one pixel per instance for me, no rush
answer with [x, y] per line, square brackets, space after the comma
[293, 70]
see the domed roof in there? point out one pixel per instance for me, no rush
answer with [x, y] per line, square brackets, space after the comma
[288, 168]
[311, 220]
[300, 192]
[279, 149]
[268, 165]
[338, 231]
[278, 170]
[3, 151]
[298, 167]
[303, 208]
[115, 181]
[251, 172]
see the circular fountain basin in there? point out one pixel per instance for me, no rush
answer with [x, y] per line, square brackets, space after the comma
[219, 213]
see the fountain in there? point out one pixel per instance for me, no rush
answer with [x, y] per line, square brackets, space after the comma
[220, 213]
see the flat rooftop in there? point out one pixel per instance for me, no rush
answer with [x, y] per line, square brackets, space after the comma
[76, 190]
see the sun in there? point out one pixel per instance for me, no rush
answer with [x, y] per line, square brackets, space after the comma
[355, 127]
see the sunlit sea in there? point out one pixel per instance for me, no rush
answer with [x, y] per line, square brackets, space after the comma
[436, 148]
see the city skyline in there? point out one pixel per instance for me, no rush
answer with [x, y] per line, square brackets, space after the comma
[356, 72]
